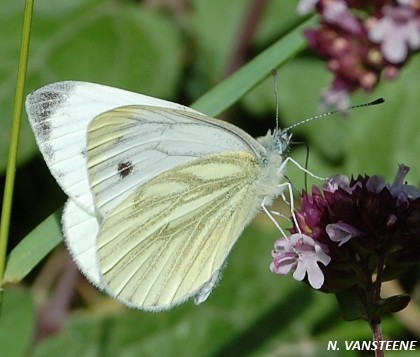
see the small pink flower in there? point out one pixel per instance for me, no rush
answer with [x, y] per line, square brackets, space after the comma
[399, 190]
[337, 181]
[306, 6]
[301, 254]
[337, 96]
[406, 2]
[342, 232]
[402, 191]
[376, 184]
[397, 32]
[337, 12]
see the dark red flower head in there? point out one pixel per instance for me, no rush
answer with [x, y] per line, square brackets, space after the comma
[359, 223]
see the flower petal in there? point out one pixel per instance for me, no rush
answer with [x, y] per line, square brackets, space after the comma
[397, 32]
[337, 181]
[315, 276]
[342, 232]
[303, 258]
[376, 183]
[306, 6]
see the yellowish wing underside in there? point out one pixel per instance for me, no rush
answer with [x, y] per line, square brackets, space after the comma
[159, 246]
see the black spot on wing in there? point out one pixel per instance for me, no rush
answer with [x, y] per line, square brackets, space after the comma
[125, 168]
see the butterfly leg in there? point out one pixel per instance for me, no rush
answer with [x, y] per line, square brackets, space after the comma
[270, 215]
[283, 197]
[299, 166]
[289, 187]
[279, 214]
[292, 208]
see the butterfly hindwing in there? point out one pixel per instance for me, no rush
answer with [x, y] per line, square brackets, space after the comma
[170, 238]
[80, 231]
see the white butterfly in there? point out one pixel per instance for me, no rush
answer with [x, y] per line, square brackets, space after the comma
[158, 192]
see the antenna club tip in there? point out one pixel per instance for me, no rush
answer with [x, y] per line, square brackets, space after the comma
[319, 116]
[377, 101]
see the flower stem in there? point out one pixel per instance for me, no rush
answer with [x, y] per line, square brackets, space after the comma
[375, 321]
[378, 337]
[6, 210]
[379, 276]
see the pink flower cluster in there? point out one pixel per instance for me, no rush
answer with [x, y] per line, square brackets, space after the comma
[361, 40]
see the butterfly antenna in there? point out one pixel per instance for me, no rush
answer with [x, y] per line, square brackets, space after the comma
[323, 115]
[306, 165]
[274, 74]
[294, 188]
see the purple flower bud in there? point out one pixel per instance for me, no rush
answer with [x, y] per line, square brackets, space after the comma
[402, 192]
[337, 12]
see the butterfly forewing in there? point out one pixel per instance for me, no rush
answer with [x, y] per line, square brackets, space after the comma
[167, 240]
[129, 146]
[59, 114]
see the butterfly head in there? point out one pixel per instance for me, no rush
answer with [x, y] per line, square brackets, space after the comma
[276, 142]
[282, 140]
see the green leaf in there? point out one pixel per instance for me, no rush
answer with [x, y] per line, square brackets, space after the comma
[237, 85]
[393, 304]
[31, 250]
[351, 306]
[16, 323]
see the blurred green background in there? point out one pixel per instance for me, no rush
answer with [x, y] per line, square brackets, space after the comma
[179, 50]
